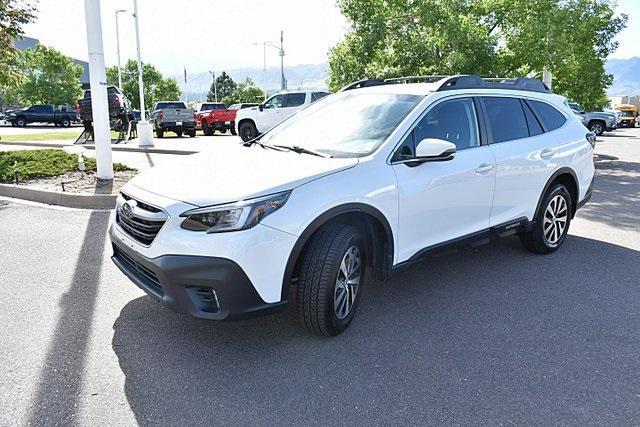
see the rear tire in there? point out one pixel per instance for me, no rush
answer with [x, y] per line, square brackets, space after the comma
[247, 131]
[551, 223]
[160, 133]
[179, 134]
[331, 278]
[206, 129]
[233, 131]
[192, 133]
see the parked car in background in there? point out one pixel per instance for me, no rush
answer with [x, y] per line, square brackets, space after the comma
[216, 118]
[251, 122]
[119, 108]
[596, 121]
[173, 116]
[40, 114]
[360, 185]
[204, 106]
[629, 113]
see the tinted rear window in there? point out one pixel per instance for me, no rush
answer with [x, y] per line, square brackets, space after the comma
[163, 105]
[317, 95]
[550, 118]
[506, 118]
[295, 99]
[532, 121]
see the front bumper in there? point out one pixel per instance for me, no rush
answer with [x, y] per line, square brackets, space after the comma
[202, 286]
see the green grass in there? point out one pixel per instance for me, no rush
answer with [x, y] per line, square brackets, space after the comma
[47, 136]
[43, 163]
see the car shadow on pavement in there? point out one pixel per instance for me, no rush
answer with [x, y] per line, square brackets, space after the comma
[58, 389]
[492, 335]
[616, 194]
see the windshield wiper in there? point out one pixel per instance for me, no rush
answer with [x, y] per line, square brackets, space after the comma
[256, 140]
[298, 149]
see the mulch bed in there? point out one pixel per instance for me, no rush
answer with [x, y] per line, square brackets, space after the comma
[80, 182]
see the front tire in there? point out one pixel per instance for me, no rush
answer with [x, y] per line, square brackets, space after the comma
[597, 128]
[331, 278]
[551, 223]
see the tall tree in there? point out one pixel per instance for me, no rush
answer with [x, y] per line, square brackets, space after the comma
[571, 38]
[156, 87]
[248, 91]
[13, 15]
[225, 87]
[50, 77]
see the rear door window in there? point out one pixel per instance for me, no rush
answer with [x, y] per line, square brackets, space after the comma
[550, 118]
[318, 95]
[532, 121]
[506, 118]
[295, 99]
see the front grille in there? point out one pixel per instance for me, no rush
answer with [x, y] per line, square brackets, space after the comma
[147, 276]
[144, 223]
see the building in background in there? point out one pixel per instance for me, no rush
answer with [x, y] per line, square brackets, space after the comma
[618, 100]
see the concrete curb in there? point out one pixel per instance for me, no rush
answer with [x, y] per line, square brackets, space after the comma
[70, 200]
[153, 150]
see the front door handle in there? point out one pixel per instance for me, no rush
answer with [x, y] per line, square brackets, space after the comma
[484, 168]
[547, 153]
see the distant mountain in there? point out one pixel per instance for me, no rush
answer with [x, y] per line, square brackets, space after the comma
[306, 76]
[626, 76]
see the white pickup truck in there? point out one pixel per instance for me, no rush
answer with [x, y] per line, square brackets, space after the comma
[251, 122]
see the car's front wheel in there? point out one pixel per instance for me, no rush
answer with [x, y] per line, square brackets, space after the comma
[597, 128]
[331, 279]
[551, 223]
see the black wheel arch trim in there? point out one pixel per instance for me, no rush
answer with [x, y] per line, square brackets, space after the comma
[325, 217]
[562, 171]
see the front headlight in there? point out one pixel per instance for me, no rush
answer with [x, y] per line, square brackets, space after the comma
[233, 216]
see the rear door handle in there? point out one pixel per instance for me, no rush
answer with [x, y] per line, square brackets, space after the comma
[484, 168]
[547, 153]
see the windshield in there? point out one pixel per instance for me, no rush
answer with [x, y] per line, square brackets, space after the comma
[348, 124]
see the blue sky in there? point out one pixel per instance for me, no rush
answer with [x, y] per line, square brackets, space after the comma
[201, 34]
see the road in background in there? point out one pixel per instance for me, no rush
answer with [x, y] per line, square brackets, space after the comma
[490, 335]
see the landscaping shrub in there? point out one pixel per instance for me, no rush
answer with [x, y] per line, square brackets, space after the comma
[43, 163]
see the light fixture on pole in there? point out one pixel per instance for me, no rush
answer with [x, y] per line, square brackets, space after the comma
[145, 138]
[98, 85]
[119, 11]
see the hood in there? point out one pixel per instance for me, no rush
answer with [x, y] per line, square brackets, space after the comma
[230, 172]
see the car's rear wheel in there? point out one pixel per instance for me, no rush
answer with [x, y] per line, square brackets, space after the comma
[247, 131]
[208, 131]
[551, 223]
[160, 134]
[233, 131]
[331, 278]
[179, 134]
[192, 133]
[597, 128]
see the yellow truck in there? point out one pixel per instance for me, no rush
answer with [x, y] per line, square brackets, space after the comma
[629, 114]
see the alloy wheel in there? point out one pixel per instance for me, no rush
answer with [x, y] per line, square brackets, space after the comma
[596, 128]
[347, 283]
[555, 220]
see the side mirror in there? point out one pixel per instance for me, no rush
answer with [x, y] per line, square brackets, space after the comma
[434, 150]
[261, 107]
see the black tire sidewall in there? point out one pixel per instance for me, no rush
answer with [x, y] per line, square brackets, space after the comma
[558, 189]
[246, 128]
[339, 325]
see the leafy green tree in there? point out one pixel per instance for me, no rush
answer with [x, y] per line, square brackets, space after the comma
[50, 77]
[571, 38]
[13, 15]
[248, 91]
[225, 87]
[156, 87]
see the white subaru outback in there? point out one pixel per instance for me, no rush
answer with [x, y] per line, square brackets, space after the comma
[367, 180]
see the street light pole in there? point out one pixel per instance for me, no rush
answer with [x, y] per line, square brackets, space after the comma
[145, 139]
[118, 48]
[283, 82]
[98, 85]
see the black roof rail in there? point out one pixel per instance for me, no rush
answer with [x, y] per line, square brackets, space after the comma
[417, 79]
[477, 82]
[364, 83]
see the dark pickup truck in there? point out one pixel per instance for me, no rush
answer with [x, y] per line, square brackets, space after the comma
[119, 108]
[40, 114]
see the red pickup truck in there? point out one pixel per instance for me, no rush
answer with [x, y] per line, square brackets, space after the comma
[217, 118]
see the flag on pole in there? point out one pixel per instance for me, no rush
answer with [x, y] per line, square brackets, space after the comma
[185, 73]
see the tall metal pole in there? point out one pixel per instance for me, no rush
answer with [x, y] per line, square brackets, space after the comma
[118, 48]
[98, 85]
[264, 67]
[144, 129]
[215, 86]
[283, 82]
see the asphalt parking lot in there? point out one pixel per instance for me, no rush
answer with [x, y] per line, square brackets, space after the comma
[490, 335]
